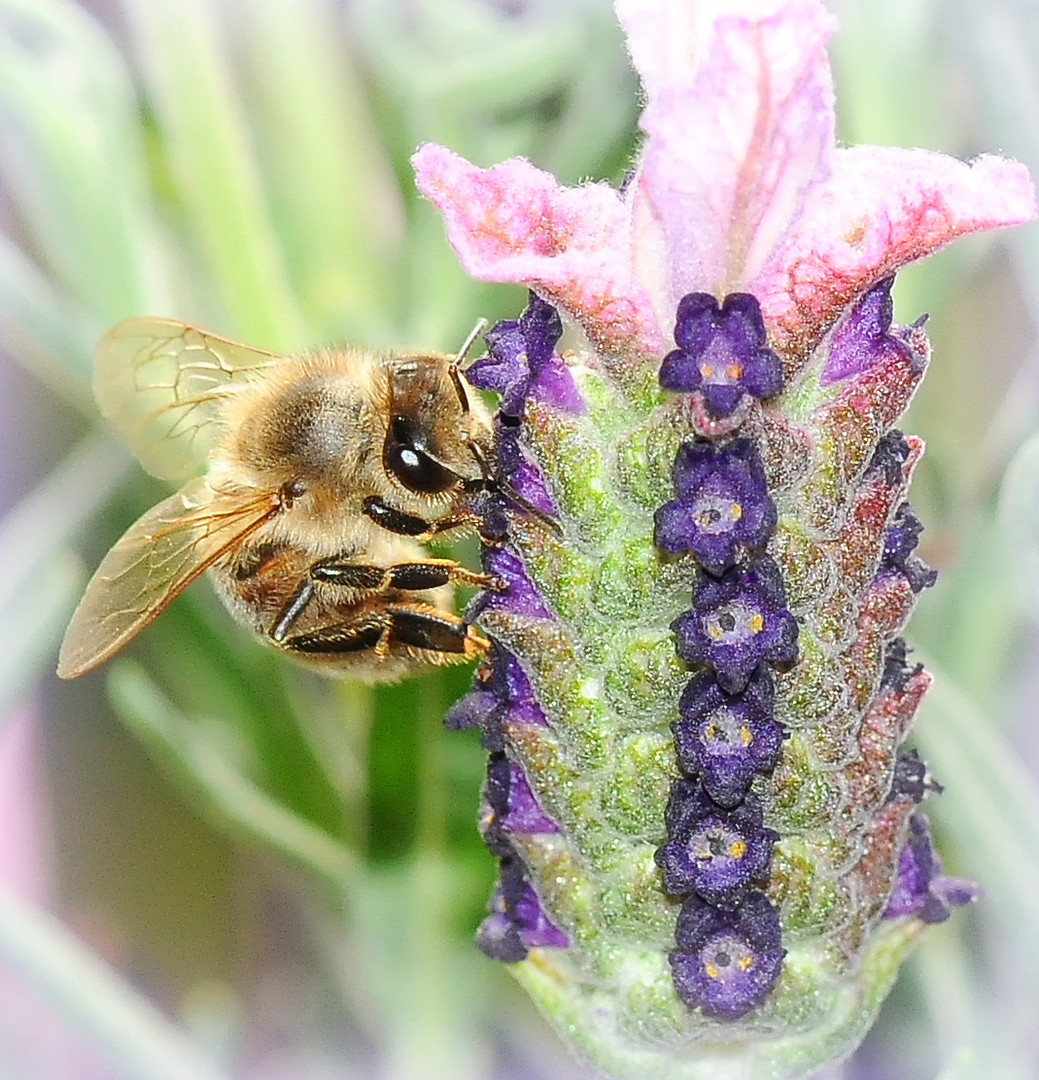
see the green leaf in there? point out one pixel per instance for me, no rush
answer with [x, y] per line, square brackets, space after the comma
[42, 580]
[992, 808]
[210, 154]
[1019, 516]
[334, 196]
[138, 1041]
[43, 330]
[78, 179]
[199, 756]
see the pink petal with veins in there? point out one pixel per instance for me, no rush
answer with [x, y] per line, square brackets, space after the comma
[666, 38]
[513, 222]
[883, 207]
[732, 156]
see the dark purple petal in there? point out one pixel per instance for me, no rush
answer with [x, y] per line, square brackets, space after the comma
[727, 961]
[510, 453]
[508, 794]
[723, 506]
[536, 929]
[472, 710]
[891, 454]
[509, 679]
[912, 777]
[541, 328]
[499, 938]
[490, 508]
[527, 482]
[755, 919]
[900, 540]
[504, 371]
[864, 338]
[726, 738]
[713, 852]
[738, 621]
[902, 536]
[501, 696]
[896, 672]
[554, 385]
[520, 597]
[496, 786]
[522, 362]
[920, 888]
[722, 352]
[517, 922]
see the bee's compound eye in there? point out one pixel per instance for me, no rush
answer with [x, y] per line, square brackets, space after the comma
[404, 455]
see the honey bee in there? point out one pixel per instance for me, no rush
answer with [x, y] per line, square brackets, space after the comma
[323, 473]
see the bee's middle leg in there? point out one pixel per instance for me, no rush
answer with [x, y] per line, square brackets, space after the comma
[365, 577]
[415, 626]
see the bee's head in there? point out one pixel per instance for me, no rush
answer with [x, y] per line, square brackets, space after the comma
[437, 441]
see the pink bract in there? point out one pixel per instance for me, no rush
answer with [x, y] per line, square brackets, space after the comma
[739, 187]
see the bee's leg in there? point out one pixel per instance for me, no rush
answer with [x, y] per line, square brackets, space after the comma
[396, 521]
[363, 577]
[408, 576]
[292, 610]
[397, 624]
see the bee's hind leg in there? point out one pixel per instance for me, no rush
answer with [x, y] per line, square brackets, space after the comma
[413, 626]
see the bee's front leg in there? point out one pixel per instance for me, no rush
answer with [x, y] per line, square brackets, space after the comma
[367, 578]
[396, 521]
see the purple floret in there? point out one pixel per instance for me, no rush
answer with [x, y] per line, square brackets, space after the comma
[738, 621]
[717, 853]
[890, 456]
[501, 695]
[722, 352]
[920, 888]
[727, 961]
[864, 338]
[722, 508]
[912, 777]
[472, 710]
[726, 738]
[900, 540]
[520, 595]
[509, 797]
[522, 362]
[517, 922]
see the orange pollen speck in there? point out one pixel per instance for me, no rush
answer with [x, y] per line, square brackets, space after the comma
[711, 970]
[706, 370]
[734, 371]
[735, 511]
[757, 621]
[745, 962]
[738, 849]
[745, 736]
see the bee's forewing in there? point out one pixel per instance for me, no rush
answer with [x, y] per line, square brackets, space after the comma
[153, 562]
[159, 382]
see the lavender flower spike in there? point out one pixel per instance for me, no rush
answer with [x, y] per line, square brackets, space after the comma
[711, 856]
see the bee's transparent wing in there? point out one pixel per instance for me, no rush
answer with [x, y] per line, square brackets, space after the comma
[159, 381]
[153, 562]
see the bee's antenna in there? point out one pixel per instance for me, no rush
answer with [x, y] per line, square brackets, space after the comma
[456, 364]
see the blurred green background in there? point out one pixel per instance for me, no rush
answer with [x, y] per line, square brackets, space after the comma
[270, 876]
